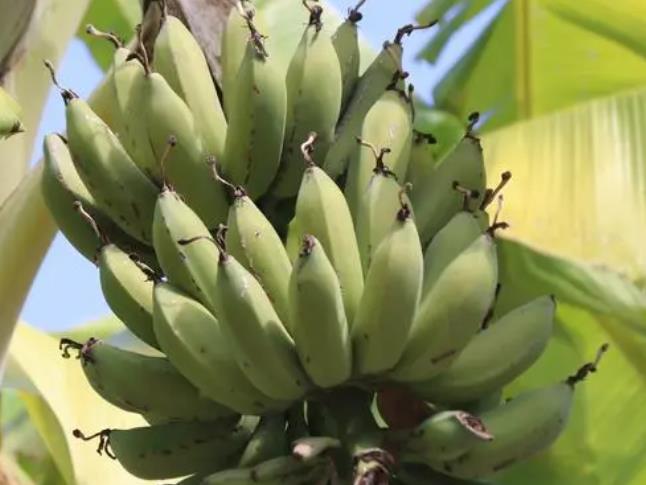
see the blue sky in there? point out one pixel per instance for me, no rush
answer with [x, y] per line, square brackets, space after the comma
[66, 291]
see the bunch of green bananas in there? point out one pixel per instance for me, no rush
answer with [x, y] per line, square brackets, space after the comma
[308, 268]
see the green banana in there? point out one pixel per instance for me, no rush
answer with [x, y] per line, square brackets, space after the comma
[252, 240]
[422, 159]
[484, 403]
[346, 45]
[10, 115]
[388, 124]
[322, 212]
[180, 60]
[184, 249]
[195, 343]
[495, 356]
[521, 427]
[381, 196]
[314, 91]
[385, 70]
[457, 235]
[128, 290]
[267, 441]
[141, 383]
[109, 111]
[262, 346]
[120, 189]
[174, 137]
[450, 313]
[435, 199]
[390, 298]
[129, 87]
[174, 449]
[283, 470]
[444, 436]
[258, 108]
[319, 323]
[63, 188]
[234, 45]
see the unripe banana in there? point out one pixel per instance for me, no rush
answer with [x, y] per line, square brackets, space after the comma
[435, 199]
[184, 248]
[185, 162]
[262, 346]
[128, 291]
[267, 441]
[322, 212]
[234, 45]
[495, 356]
[109, 111]
[180, 60]
[120, 189]
[142, 384]
[422, 159]
[346, 45]
[444, 436]
[390, 298]
[174, 449]
[252, 240]
[521, 427]
[387, 124]
[319, 323]
[458, 234]
[314, 90]
[450, 313]
[283, 470]
[129, 86]
[195, 343]
[381, 196]
[10, 115]
[258, 107]
[62, 188]
[383, 71]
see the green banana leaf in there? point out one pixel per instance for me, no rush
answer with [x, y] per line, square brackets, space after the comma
[538, 56]
[58, 400]
[118, 16]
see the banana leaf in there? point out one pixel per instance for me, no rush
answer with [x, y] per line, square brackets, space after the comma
[58, 400]
[535, 57]
[117, 16]
[576, 209]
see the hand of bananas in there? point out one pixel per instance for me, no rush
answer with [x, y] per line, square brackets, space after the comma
[297, 255]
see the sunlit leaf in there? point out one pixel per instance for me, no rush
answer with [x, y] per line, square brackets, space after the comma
[117, 16]
[73, 403]
[540, 56]
[578, 185]
[26, 231]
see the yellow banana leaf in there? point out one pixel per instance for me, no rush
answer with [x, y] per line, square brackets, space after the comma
[53, 24]
[64, 402]
[538, 56]
[579, 182]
